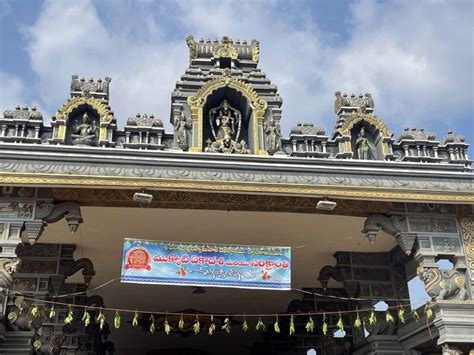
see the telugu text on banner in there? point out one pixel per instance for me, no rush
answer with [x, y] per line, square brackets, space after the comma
[207, 265]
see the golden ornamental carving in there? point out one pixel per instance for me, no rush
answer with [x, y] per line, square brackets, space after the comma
[208, 88]
[374, 193]
[217, 201]
[99, 106]
[255, 50]
[225, 49]
[352, 120]
[192, 45]
[467, 233]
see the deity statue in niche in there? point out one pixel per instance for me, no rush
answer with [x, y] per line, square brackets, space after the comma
[85, 133]
[365, 149]
[181, 127]
[226, 123]
[272, 131]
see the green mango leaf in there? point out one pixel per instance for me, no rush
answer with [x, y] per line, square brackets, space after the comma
[69, 318]
[86, 318]
[196, 327]
[167, 327]
[310, 325]
[135, 319]
[260, 325]
[292, 325]
[276, 327]
[52, 312]
[401, 315]
[152, 325]
[372, 318]
[117, 320]
[226, 325]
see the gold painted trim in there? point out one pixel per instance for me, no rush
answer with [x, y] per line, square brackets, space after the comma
[99, 106]
[355, 192]
[346, 127]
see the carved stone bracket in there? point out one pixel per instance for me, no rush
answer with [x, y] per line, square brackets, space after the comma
[69, 210]
[393, 225]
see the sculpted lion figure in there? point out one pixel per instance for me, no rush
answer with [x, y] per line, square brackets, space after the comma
[443, 284]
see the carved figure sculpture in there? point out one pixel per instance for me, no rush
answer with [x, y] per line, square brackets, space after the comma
[272, 130]
[226, 123]
[181, 126]
[363, 145]
[443, 284]
[84, 133]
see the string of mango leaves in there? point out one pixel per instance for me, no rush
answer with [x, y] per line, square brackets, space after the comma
[260, 326]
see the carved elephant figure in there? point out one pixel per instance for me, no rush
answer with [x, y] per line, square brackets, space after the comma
[443, 284]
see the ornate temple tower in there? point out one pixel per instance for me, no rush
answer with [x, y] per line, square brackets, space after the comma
[224, 103]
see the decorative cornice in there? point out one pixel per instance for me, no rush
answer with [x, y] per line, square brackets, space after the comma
[80, 167]
[357, 192]
[208, 88]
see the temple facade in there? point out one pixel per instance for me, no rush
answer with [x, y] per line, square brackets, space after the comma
[365, 214]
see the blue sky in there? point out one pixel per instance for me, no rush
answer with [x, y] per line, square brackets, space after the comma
[415, 57]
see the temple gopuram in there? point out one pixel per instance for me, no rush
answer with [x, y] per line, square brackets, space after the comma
[365, 214]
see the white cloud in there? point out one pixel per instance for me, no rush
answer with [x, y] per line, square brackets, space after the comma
[414, 57]
[12, 91]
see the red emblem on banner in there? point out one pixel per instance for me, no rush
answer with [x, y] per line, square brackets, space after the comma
[138, 259]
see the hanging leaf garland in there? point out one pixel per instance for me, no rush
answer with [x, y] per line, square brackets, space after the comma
[401, 315]
[52, 312]
[135, 319]
[152, 324]
[181, 323]
[276, 327]
[212, 327]
[325, 325]
[260, 325]
[388, 317]
[196, 326]
[86, 318]
[70, 317]
[117, 320]
[226, 326]
[357, 321]
[310, 325]
[292, 325]
[101, 319]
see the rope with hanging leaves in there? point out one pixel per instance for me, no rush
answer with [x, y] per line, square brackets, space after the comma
[260, 326]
